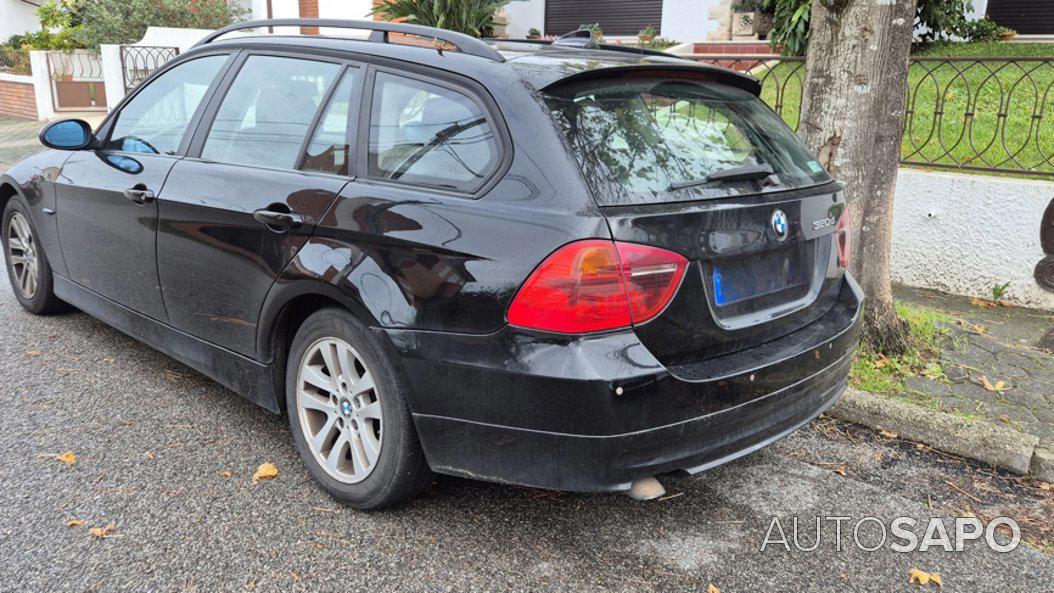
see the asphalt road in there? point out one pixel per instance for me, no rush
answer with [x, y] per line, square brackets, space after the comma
[153, 441]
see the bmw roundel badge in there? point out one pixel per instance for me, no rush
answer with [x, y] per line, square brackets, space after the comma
[780, 225]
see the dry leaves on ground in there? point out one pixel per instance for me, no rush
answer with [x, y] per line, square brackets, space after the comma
[75, 523]
[887, 434]
[149, 455]
[996, 387]
[68, 458]
[712, 589]
[924, 578]
[266, 471]
[226, 474]
[102, 532]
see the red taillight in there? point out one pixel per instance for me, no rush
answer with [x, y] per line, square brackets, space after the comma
[596, 285]
[843, 237]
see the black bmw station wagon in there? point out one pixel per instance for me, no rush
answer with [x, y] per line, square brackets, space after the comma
[563, 265]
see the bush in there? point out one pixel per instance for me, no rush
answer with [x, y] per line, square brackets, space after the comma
[125, 21]
[471, 17]
[790, 26]
[981, 30]
[939, 19]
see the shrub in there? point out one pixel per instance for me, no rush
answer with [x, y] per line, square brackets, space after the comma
[790, 26]
[471, 17]
[125, 21]
[981, 30]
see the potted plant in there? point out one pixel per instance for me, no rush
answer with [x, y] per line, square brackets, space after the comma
[594, 28]
[752, 18]
[1006, 33]
[647, 34]
[534, 33]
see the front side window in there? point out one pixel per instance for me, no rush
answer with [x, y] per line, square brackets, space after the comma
[648, 141]
[427, 134]
[156, 118]
[267, 111]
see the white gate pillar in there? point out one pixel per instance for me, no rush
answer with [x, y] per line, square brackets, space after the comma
[112, 74]
[42, 87]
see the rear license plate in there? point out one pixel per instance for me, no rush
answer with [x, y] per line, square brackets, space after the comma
[748, 277]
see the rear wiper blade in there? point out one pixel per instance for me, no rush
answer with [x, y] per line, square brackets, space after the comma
[734, 174]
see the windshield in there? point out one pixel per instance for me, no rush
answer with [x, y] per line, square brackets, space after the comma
[644, 141]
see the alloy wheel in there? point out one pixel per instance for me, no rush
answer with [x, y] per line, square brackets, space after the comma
[22, 253]
[340, 410]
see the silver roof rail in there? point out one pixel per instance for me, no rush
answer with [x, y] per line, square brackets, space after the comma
[379, 31]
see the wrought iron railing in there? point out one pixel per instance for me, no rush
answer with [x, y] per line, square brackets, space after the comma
[74, 65]
[981, 114]
[14, 61]
[138, 62]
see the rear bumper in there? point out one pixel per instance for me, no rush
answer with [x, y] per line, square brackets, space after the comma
[596, 414]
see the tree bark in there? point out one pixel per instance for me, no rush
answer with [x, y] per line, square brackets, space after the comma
[853, 118]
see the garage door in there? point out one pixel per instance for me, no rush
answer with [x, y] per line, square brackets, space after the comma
[616, 17]
[1028, 17]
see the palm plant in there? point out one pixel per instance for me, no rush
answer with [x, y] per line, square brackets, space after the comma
[472, 17]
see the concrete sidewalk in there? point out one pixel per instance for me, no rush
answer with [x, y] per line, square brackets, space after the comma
[997, 372]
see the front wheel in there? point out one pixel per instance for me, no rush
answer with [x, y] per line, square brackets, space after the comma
[27, 265]
[350, 421]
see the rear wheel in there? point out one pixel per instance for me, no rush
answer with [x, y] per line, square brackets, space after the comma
[27, 265]
[349, 418]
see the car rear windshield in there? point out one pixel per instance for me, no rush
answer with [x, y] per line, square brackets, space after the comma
[646, 141]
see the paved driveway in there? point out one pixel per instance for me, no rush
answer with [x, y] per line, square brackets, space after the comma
[153, 441]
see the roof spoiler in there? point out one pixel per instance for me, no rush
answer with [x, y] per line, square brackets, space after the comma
[684, 71]
[379, 31]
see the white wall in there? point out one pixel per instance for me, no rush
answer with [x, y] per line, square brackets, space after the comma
[963, 234]
[687, 20]
[523, 15]
[980, 7]
[17, 16]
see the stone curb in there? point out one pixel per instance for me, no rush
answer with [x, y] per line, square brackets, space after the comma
[996, 445]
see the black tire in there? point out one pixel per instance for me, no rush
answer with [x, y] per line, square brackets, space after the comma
[400, 471]
[43, 300]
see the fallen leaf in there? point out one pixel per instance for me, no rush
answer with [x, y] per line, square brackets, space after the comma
[1046, 486]
[109, 360]
[882, 361]
[841, 470]
[75, 523]
[887, 434]
[149, 455]
[983, 303]
[226, 474]
[920, 446]
[34, 352]
[918, 576]
[1004, 418]
[924, 578]
[266, 471]
[68, 458]
[878, 456]
[102, 532]
[996, 387]
[712, 589]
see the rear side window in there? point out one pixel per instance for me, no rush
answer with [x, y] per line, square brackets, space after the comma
[427, 134]
[267, 111]
[330, 149]
[156, 118]
[645, 141]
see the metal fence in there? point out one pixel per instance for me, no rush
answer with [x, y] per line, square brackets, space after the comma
[138, 62]
[14, 61]
[981, 114]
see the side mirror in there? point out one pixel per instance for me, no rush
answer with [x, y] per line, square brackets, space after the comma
[67, 134]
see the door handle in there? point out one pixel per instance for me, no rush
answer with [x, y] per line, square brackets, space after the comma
[139, 195]
[277, 220]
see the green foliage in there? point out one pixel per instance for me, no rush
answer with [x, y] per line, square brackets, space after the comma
[790, 26]
[940, 18]
[981, 30]
[533, 32]
[125, 21]
[649, 30]
[999, 291]
[753, 5]
[659, 43]
[472, 17]
[929, 334]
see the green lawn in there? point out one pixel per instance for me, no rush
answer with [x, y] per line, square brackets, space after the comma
[972, 113]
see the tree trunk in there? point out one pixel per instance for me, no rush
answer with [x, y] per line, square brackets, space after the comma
[853, 118]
